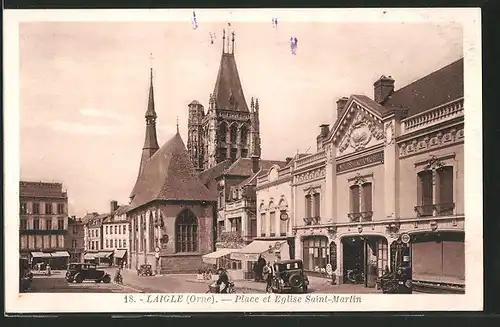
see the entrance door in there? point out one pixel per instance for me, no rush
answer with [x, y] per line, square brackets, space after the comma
[353, 260]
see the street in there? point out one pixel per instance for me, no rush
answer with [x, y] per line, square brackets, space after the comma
[181, 283]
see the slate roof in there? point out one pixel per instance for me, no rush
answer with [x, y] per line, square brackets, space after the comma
[195, 102]
[227, 83]
[437, 88]
[121, 210]
[170, 175]
[208, 176]
[243, 166]
[252, 180]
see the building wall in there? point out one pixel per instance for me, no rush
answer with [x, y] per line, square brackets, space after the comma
[75, 240]
[169, 260]
[49, 235]
[301, 188]
[409, 168]
[111, 240]
[277, 193]
[373, 174]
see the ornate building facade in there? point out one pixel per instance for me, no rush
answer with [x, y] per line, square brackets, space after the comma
[390, 165]
[229, 129]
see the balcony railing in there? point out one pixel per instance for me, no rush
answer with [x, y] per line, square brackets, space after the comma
[312, 220]
[357, 217]
[439, 209]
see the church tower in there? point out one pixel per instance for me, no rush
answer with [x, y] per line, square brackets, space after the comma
[150, 141]
[195, 134]
[229, 130]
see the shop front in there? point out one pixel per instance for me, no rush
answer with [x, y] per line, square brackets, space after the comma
[268, 250]
[59, 260]
[40, 260]
[438, 257]
[364, 259]
[90, 257]
[222, 259]
[120, 258]
[104, 258]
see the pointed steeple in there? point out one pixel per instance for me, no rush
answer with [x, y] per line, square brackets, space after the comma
[150, 140]
[228, 90]
[150, 112]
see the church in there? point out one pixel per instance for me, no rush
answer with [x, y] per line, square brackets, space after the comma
[171, 212]
[229, 129]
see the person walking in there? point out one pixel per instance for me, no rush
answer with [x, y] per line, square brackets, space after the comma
[268, 274]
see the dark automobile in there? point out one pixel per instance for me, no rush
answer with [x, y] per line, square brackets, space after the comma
[25, 275]
[289, 276]
[145, 270]
[79, 272]
[399, 279]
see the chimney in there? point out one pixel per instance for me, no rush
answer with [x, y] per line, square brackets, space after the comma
[255, 164]
[113, 205]
[382, 89]
[324, 130]
[340, 105]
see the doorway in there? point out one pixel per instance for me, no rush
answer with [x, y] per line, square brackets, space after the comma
[364, 259]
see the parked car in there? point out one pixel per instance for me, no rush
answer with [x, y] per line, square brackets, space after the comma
[399, 279]
[79, 272]
[289, 276]
[145, 270]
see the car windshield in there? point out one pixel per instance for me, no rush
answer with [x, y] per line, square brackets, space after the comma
[72, 266]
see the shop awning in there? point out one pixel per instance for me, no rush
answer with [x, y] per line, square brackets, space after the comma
[60, 254]
[120, 253]
[211, 258]
[103, 254]
[89, 256]
[40, 255]
[252, 251]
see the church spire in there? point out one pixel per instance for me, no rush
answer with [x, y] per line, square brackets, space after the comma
[150, 112]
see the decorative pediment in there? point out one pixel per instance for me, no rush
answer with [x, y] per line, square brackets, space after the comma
[358, 129]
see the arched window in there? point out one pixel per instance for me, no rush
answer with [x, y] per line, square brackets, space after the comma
[186, 232]
[243, 135]
[233, 133]
[222, 132]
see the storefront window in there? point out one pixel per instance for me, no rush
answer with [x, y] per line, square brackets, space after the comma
[315, 249]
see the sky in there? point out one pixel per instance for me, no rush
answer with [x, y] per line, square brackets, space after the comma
[84, 87]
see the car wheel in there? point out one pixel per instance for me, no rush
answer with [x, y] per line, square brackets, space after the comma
[106, 279]
[296, 280]
[79, 279]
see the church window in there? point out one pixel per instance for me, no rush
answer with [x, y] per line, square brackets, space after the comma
[233, 133]
[244, 153]
[243, 135]
[222, 132]
[186, 232]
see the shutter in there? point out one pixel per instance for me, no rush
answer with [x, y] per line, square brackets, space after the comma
[445, 185]
[355, 199]
[367, 197]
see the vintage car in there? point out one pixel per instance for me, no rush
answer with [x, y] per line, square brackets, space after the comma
[145, 270]
[289, 276]
[79, 272]
[398, 280]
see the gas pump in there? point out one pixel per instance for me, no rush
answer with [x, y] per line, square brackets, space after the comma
[399, 279]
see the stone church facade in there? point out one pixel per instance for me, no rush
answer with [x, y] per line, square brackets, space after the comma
[229, 129]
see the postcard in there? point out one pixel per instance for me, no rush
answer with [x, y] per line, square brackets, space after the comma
[243, 160]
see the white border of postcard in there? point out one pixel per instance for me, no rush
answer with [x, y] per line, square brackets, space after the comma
[472, 300]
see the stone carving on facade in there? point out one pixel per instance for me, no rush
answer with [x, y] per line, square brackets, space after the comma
[434, 225]
[329, 154]
[360, 132]
[431, 141]
[360, 229]
[393, 229]
[231, 240]
[389, 133]
[313, 174]
[332, 232]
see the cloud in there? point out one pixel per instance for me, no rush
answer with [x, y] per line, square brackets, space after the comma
[101, 114]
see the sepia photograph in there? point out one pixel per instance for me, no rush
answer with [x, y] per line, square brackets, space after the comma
[212, 159]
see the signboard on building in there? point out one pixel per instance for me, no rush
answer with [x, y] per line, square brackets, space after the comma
[360, 162]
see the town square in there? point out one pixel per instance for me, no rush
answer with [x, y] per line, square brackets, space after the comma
[242, 157]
